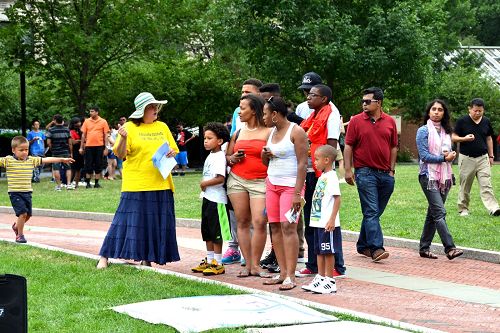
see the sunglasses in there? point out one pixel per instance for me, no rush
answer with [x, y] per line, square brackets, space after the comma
[368, 101]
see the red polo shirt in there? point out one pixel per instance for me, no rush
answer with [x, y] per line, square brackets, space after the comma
[372, 142]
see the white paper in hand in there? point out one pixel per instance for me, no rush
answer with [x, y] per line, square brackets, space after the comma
[163, 163]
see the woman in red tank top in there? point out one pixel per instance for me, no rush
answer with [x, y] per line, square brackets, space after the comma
[246, 181]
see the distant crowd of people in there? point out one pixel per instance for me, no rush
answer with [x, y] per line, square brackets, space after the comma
[270, 167]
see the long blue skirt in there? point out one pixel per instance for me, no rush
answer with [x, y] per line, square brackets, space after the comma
[143, 228]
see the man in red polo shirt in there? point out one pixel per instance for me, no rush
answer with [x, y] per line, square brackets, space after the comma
[95, 131]
[371, 145]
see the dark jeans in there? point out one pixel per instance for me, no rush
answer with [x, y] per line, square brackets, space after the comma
[311, 263]
[374, 189]
[435, 219]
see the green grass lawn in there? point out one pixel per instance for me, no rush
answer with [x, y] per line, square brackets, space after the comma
[67, 294]
[403, 217]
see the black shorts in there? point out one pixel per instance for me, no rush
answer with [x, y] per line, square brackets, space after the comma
[94, 159]
[21, 202]
[324, 241]
[212, 222]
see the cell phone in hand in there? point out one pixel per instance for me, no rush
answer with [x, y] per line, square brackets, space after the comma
[266, 149]
[241, 152]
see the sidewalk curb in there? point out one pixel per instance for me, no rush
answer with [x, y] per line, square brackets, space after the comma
[351, 236]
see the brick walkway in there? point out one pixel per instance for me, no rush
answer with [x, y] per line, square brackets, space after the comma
[412, 302]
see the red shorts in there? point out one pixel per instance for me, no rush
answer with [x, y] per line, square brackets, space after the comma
[278, 201]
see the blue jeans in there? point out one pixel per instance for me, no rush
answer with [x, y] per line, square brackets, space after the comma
[435, 219]
[374, 189]
[311, 263]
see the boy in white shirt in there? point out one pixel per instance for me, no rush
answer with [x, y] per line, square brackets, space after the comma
[214, 215]
[325, 220]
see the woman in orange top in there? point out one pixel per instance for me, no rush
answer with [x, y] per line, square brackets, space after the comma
[246, 186]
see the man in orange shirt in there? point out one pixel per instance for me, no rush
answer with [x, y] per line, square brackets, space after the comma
[95, 131]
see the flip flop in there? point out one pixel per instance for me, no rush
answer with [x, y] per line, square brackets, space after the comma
[287, 284]
[274, 280]
[263, 275]
[243, 273]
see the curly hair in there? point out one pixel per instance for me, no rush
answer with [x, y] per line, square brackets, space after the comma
[219, 129]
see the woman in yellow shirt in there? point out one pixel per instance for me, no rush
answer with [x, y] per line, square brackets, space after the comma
[143, 227]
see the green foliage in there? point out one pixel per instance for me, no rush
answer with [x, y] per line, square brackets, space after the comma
[488, 16]
[74, 41]
[458, 86]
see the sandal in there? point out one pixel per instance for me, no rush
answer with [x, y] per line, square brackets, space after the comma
[453, 253]
[287, 284]
[262, 274]
[243, 273]
[428, 254]
[275, 280]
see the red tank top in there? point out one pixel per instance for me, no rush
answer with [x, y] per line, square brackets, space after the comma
[251, 166]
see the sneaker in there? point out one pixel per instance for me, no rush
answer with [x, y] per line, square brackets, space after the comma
[70, 187]
[274, 268]
[301, 259]
[14, 227]
[379, 254]
[20, 239]
[304, 272]
[496, 212]
[465, 212]
[337, 274]
[201, 267]
[270, 259]
[231, 256]
[97, 186]
[58, 188]
[214, 269]
[313, 284]
[88, 186]
[326, 286]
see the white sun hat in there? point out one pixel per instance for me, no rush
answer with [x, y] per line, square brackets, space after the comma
[141, 101]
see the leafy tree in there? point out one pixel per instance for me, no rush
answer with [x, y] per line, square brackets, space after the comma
[75, 41]
[397, 45]
[487, 30]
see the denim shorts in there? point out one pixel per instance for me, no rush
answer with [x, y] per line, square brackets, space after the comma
[21, 202]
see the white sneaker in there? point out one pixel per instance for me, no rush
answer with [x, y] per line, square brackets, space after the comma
[464, 213]
[58, 188]
[318, 279]
[70, 187]
[326, 286]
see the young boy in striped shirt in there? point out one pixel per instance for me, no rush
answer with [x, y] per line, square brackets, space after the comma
[19, 169]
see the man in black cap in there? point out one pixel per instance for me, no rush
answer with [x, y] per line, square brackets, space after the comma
[309, 80]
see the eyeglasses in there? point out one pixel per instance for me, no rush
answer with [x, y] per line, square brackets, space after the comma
[312, 95]
[368, 101]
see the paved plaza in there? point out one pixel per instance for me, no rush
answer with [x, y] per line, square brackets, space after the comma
[462, 295]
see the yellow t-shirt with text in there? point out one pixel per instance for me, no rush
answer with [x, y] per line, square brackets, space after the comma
[139, 173]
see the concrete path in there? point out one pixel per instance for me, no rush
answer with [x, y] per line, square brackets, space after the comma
[462, 295]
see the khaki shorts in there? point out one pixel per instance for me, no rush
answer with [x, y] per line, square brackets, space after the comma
[256, 188]
[339, 157]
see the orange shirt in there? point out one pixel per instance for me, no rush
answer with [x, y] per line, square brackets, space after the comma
[95, 130]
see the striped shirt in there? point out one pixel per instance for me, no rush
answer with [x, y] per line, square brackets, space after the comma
[19, 172]
[59, 137]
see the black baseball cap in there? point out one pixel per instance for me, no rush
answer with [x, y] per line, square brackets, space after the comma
[309, 80]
